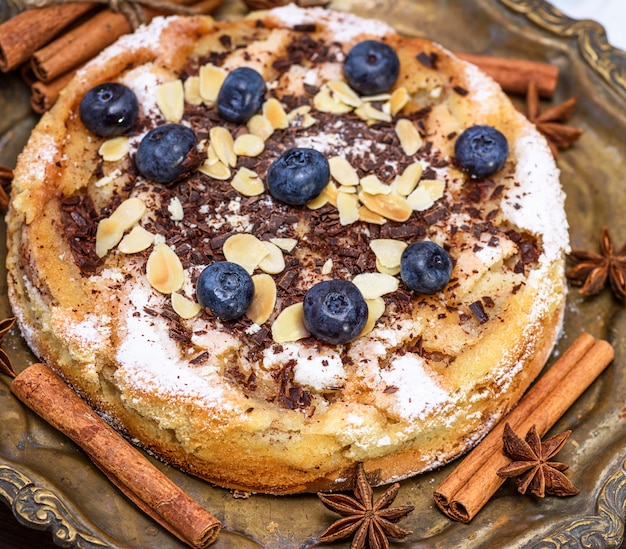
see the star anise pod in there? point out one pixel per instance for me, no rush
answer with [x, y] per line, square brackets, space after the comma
[371, 523]
[531, 466]
[5, 362]
[592, 270]
[551, 121]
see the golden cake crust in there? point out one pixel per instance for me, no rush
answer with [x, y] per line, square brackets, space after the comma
[225, 401]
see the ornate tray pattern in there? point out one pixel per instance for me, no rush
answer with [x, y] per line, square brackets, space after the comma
[51, 485]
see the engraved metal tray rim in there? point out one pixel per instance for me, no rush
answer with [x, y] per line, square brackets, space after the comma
[41, 504]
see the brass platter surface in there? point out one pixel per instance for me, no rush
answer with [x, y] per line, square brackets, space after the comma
[51, 485]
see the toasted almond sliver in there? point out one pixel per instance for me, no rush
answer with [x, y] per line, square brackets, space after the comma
[318, 202]
[129, 212]
[375, 309]
[367, 215]
[273, 262]
[260, 126]
[191, 87]
[248, 144]
[264, 298]
[398, 100]
[298, 112]
[348, 206]
[164, 270]
[275, 113]
[185, 308]
[245, 250]
[374, 285]
[347, 189]
[330, 192]
[372, 185]
[325, 101]
[108, 234]
[410, 139]
[247, 182]
[216, 170]
[137, 240]
[285, 244]
[420, 199]
[388, 251]
[327, 268]
[224, 145]
[434, 187]
[390, 206]
[344, 93]
[170, 98]
[342, 171]
[289, 326]
[114, 149]
[393, 271]
[371, 114]
[408, 180]
[211, 80]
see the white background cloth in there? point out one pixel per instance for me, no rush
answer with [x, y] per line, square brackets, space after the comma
[611, 14]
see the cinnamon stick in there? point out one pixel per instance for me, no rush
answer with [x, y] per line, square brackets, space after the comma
[47, 395]
[515, 74]
[23, 34]
[474, 481]
[44, 94]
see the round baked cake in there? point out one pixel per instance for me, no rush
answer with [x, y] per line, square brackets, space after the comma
[342, 153]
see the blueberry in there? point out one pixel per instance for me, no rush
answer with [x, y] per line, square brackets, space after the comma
[335, 311]
[165, 151]
[481, 151]
[109, 109]
[241, 95]
[298, 176]
[371, 67]
[425, 267]
[226, 289]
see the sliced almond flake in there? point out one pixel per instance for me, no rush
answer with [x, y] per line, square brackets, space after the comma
[108, 234]
[347, 189]
[406, 182]
[426, 194]
[373, 285]
[211, 155]
[393, 271]
[375, 309]
[211, 80]
[330, 192]
[348, 207]
[224, 145]
[245, 250]
[371, 114]
[184, 307]
[137, 240]
[275, 113]
[191, 88]
[379, 97]
[325, 101]
[261, 126]
[344, 93]
[175, 209]
[216, 170]
[398, 100]
[390, 206]
[247, 182]
[372, 185]
[388, 251]
[248, 144]
[107, 179]
[164, 270]
[327, 268]
[298, 111]
[264, 299]
[410, 139]
[114, 149]
[129, 212]
[285, 244]
[368, 216]
[436, 92]
[273, 262]
[342, 171]
[308, 121]
[434, 187]
[170, 98]
[318, 202]
[289, 325]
